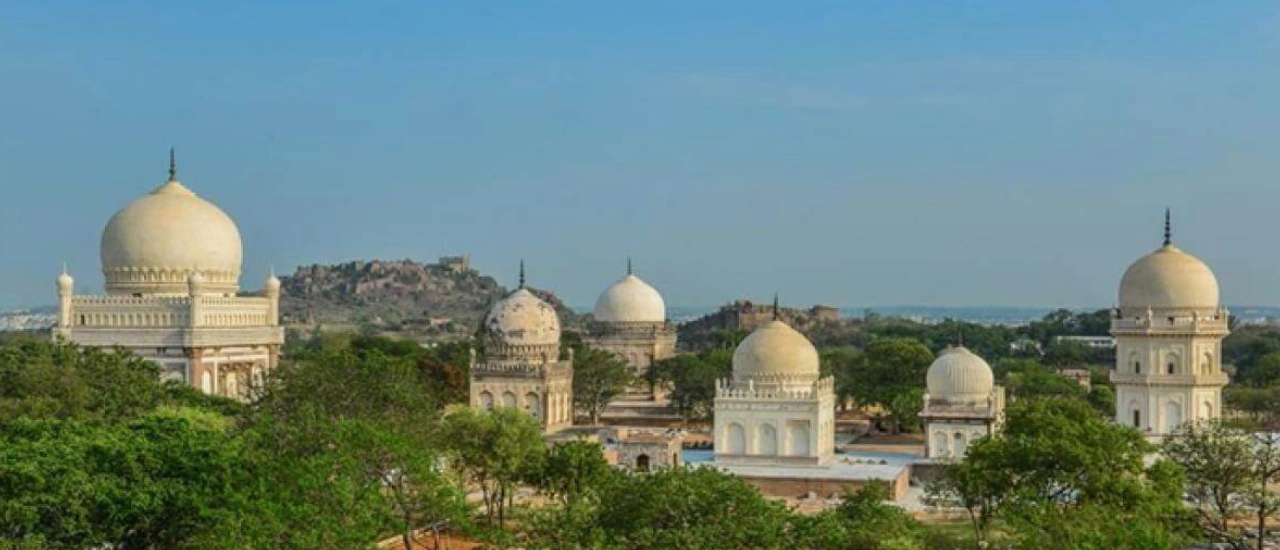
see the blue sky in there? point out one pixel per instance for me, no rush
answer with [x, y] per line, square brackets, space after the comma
[854, 153]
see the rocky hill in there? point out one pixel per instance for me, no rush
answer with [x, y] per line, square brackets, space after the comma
[445, 299]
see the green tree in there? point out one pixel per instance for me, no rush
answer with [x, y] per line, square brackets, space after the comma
[697, 508]
[1230, 473]
[495, 450]
[153, 482]
[573, 471]
[892, 370]
[598, 377]
[692, 380]
[1055, 452]
[57, 380]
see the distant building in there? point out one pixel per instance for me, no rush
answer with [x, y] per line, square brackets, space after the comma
[1093, 342]
[630, 319]
[172, 264]
[747, 315]
[962, 404]
[522, 366]
[1080, 376]
[456, 264]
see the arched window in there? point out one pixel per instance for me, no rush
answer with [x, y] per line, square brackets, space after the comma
[486, 400]
[508, 399]
[940, 444]
[736, 440]
[1137, 367]
[531, 404]
[766, 440]
[798, 438]
[1171, 367]
[642, 463]
[1137, 418]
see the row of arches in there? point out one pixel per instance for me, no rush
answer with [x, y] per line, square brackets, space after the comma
[1173, 364]
[1172, 416]
[559, 406]
[764, 440]
[953, 444]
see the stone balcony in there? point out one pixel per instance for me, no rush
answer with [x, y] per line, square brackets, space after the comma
[1159, 379]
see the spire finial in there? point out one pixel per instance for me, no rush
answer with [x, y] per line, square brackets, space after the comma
[960, 336]
[775, 306]
[1168, 228]
[521, 272]
[173, 165]
[628, 265]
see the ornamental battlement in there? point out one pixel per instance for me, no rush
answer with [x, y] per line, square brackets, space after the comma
[1171, 320]
[550, 368]
[727, 389]
[940, 406]
[167, 312]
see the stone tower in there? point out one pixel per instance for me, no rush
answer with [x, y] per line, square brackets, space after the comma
[1169, 329]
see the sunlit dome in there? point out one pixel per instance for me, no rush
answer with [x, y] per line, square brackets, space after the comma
[959, 374]
[775, 349]
[1168, 279]
[155, 243]
[630, 300]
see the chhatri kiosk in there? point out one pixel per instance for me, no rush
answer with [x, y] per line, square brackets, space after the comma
[172, 265]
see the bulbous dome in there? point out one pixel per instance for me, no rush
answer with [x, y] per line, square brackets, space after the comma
[630, 300]
[155, 243]
[959, 374]
[775, 349]
[522, 319]
[1168, 279]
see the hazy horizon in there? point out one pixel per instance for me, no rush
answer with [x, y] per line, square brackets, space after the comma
[993, 155]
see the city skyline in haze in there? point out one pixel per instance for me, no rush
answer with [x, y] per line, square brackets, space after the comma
[850, 153]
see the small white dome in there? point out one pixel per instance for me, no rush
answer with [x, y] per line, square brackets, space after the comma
[152, 245]
[1168, 279]
[958, 374]
[775, 349]
[523, 319]
[630, 300]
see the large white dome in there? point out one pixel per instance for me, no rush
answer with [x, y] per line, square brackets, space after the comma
[155, 243]
[522, 319]
[775, 349]
[630, 300]
[1168, 279]
[959, 374]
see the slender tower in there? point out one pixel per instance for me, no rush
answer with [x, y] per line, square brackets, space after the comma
[1168, 330]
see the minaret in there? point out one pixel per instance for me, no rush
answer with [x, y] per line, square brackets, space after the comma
[195, 288]
[272, 291]
[1168, 328]
[66, 289]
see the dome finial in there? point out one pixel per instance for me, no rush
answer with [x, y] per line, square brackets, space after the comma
[173, 165]
[521, 272]
[628, 265]
[1168, 228]
[775, 306]
[960, 337]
